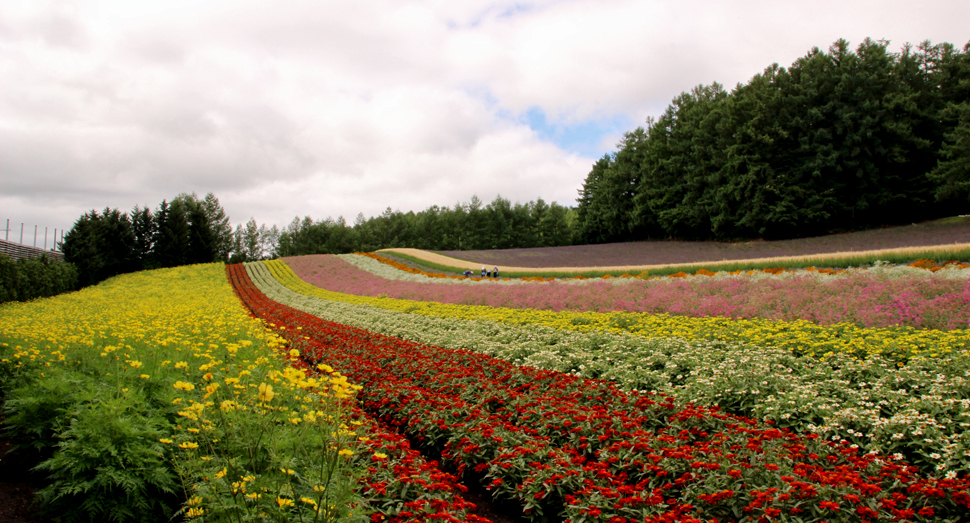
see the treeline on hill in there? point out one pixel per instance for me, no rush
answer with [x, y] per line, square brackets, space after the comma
[497, 225]
[184, 231]
[28, 278]
[192, 230]
[838, 141]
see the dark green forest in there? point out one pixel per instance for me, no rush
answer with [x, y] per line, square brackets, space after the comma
[184, 231]
[472, 225]
[840, 140]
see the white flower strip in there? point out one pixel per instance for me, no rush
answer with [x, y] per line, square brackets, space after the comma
[921, 409]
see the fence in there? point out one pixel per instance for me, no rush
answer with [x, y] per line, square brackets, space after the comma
[19, 250]
[16, 250]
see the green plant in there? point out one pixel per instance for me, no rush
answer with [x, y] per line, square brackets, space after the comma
[109, 464]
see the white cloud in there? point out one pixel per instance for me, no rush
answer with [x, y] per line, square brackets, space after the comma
[334, 108]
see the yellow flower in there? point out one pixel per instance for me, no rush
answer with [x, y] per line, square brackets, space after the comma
[294, 353]
[265, 392]
[193, 512]
[188, 445]
[345, 452]
[145, 376]
[210, 390]
[165, 441]
[380, 455]
[283, 502]
[181, 385]
[181, 365]
[221, 473]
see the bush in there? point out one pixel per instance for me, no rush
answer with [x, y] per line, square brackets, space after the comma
[26, 279]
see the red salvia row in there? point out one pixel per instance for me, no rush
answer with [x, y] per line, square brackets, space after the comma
[399, 486]
[586, 451]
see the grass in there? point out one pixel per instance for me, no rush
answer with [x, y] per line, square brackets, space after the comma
[899, 256]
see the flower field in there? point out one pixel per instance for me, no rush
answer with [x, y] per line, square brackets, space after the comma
[354, 395]
[588, 450]
[156, 394]
[875, 297]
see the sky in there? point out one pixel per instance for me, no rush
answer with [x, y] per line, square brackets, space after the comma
[326, 109]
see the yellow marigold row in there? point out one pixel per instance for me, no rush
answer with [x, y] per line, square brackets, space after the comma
[183, 334]
[800, 337]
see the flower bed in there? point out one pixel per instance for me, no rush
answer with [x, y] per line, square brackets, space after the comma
[919, 410]
[156, 394]
[398, 485]
[585, 450]
[799, 337]
[877, 297]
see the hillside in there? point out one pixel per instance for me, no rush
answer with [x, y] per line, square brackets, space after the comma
[938, 232]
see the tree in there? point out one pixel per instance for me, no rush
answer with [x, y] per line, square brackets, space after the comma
[171, 235]
[144, 227]
[952, 174]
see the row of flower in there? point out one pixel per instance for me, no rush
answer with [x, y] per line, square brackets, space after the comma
[798, 336]
[584, 450]
[397, 484]
[156, 394]
[921, 409]
[415, 274]
[875, 297]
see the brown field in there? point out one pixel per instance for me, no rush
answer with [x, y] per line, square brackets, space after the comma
[950, 233]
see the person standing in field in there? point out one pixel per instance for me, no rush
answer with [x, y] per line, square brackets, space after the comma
[495, 272]
[483, 271]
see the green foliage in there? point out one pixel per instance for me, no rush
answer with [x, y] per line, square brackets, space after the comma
[26, 279]
[840, 140]
[497, 225]
[97, 445]
[109, 464]
[186, 230]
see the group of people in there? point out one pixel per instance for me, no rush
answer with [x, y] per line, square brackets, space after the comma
[486, 272]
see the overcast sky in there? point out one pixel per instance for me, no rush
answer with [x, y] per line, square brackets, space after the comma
[326, 108]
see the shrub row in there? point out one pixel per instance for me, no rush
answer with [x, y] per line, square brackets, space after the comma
[26, 279]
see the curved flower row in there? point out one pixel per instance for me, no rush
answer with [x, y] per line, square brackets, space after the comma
[399, 485]
[166, 385]
[880, 296]
[586, 450]
[799, 337]
[920, 410]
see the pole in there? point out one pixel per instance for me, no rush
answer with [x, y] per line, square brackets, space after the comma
[7, 237]
[45, 238]
[21, 233]
[35, 236]
[54, 245]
